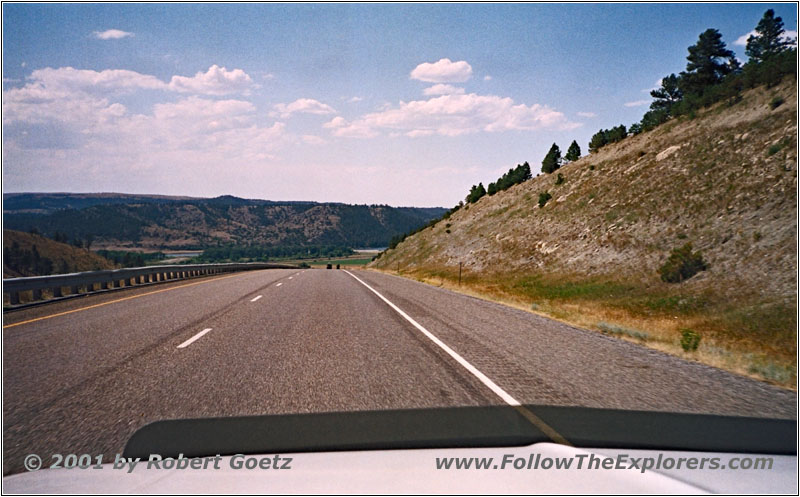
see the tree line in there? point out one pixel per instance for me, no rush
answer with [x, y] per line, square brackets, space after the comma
[713, 74]
[242, 253]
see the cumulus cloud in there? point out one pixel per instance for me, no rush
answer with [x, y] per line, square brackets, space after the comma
[339, 126]
[442, 89]
[788, 35]
[487, 78]
[216, 81]
[76, 108]
[303, 106]
[637, 103]
[587, 115]
[68, 78]
[443, 71]
[452, 115]
[111, 34]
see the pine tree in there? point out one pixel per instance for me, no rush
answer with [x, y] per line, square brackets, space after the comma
[552, 160]
[598, 141]
[475, 193]
[573, 152]
[668, 95]
[525, 172]
[769, 40]
[709, 62]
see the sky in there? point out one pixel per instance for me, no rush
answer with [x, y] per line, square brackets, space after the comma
[399, 104]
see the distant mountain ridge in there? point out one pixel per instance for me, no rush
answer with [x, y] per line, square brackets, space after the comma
[157, 222]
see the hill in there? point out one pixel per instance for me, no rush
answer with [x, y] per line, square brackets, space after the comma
[119, 221]
[27, 254]
[724, 180]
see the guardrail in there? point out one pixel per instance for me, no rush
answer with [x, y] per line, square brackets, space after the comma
[54, 286]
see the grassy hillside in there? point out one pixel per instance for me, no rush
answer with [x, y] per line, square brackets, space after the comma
[724, 181]
[156, 222]
[26, 254]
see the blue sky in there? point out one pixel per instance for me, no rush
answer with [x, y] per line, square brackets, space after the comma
[405, 104]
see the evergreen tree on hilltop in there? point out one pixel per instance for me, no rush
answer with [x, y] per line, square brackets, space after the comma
[667, 95]
[573, 152]
[769, 40]
[552, 160]
[709, 62]
[475, 193]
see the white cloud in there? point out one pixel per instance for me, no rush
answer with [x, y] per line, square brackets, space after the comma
[304, 106]
[313, 140]
[637, 103]
[339, 126]
[68, 78]
[587, 115]
[443, 71]
[442, 89]
[452, 115]
[216, 81]
[487, 78]
[111, 34]
[77, 109]
[656, 87]
[354, 99]
[742, 40]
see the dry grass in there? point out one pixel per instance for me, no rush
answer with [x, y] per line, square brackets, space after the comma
[725, 181]
[593, 305]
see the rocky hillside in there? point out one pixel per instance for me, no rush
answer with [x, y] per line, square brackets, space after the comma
[27, 254]
[157, 222]
[725, 181]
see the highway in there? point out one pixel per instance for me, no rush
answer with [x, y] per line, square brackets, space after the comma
[80, 376]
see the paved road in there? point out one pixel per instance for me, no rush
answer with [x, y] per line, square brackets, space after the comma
[81, 376]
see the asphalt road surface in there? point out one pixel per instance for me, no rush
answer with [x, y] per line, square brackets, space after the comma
[80, 376]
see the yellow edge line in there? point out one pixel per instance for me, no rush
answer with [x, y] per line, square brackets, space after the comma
[118, 300]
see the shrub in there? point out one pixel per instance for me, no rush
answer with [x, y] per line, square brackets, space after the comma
[613, 329]
[682, 264]
[543, 198]
[775, 102]
[690, 339]
[774, 149]
[559, 179]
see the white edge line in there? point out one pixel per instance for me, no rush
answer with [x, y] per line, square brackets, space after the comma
[533, 418]
[193, 339]
[472, 369]
[256, 298]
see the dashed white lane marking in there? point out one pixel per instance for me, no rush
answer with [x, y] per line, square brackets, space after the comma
[279, 284]
[256, 298]
[193, 339]
[507, 398]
